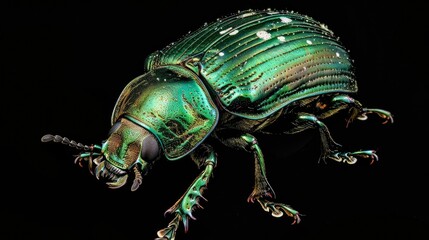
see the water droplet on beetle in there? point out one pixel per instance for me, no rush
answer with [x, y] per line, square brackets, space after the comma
[221, 54]
[224, 31]
[281, 38]
[337, 54]
[309, 42]
[285, 20]
[233, 32]
[247, 14]
[263, 35]
[272, 12]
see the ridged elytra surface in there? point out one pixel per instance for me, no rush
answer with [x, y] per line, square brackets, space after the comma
[256, 62]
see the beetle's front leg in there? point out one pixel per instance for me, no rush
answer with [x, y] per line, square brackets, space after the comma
[205, 157]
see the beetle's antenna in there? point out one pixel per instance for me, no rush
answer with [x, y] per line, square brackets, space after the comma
[66, 141]
[86, 156]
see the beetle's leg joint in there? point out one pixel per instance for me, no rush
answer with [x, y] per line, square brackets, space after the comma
[251, 141]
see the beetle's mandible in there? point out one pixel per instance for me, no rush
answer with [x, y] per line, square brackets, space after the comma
[228, 80]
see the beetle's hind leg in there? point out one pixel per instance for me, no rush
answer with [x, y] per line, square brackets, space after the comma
[203, 156]
[330, 149]
[262, 190]
[356, 110]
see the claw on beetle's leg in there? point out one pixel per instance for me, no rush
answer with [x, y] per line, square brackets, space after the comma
[366, 154]
[169, 233]
[386, 115]
[351, 157]
[278, 209]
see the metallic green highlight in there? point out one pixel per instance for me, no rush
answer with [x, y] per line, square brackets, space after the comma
[88, 154]
[257, 62]
[173, 104]
[343, 98]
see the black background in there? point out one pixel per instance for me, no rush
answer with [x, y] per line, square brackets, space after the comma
[67, 62]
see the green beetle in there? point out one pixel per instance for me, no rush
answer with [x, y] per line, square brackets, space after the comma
[227, 80]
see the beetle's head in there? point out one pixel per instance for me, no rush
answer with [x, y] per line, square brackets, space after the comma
[130, 150]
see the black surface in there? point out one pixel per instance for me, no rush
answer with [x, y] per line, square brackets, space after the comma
[67, 62]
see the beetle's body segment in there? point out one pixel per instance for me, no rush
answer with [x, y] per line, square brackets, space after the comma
[258, 62]
[225, 81]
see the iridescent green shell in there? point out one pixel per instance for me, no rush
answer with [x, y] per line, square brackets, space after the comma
[173, 104]
[257, 62]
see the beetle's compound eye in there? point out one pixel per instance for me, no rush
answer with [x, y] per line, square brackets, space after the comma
[114, 128]
[150, 149]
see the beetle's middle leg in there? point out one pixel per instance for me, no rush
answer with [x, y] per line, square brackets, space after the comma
[203, 156]
[262, 190]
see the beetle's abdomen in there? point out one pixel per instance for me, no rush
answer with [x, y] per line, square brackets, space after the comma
[257, 62]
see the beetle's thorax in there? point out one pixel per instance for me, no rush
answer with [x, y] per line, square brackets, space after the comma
[173, 104]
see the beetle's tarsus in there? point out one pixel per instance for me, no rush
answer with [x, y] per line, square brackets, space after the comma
[351, 157]
[386, 115]
[169, 233]
[278, 209]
